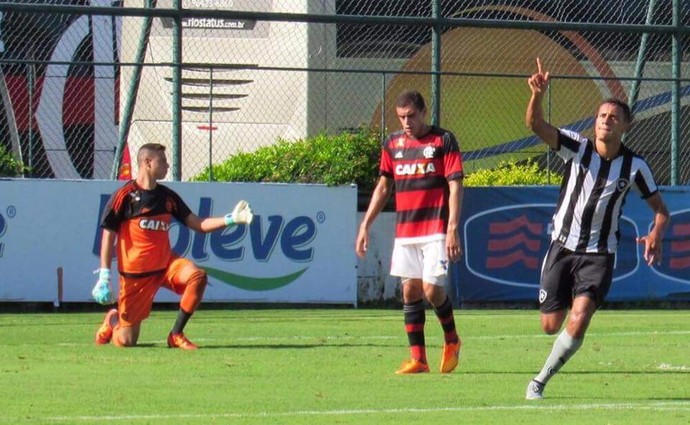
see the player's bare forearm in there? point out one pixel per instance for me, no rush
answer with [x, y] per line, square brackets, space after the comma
[653, 241]
[107, 246]
[661, 215]
[660, 223]
[453, 244]
[456, 192]
[210, 224]
[379, 197]
[534, 116]
[534, 119]
[661, 220]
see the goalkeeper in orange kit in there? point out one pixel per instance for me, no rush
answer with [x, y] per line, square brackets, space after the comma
[138, 216]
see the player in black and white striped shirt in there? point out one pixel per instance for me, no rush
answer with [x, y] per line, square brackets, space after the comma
[578, 269]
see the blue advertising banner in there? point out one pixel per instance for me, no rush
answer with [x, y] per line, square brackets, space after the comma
[506, 232]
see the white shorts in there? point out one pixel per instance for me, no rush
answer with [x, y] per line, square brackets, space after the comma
[427, 261]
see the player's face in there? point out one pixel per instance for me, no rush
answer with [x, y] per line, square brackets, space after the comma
[412, 121]
[610, 123]
[159, 165]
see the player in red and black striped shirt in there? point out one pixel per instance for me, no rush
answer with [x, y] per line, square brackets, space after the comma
[424, 164]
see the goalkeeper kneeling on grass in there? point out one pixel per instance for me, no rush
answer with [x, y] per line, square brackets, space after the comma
[138, 215]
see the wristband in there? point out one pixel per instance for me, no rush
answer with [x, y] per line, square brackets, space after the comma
[228, 220]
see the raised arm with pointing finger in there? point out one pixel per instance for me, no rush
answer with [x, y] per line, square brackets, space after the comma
[534, 118]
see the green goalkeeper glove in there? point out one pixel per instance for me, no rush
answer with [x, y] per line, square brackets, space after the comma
[241, 214]
[102, 292]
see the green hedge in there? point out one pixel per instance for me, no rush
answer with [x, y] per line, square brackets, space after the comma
[344, 159]
[341, 159]
[9, 165]
[513, 174]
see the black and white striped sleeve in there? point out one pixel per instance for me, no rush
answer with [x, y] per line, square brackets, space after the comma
[569, 143]
[643, 180]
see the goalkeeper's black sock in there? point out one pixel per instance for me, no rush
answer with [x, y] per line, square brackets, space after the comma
[181, 321]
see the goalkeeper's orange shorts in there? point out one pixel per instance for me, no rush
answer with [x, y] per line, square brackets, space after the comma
[137, 293]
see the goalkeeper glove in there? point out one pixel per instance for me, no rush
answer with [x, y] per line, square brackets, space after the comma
[102, 292]
[242, 214]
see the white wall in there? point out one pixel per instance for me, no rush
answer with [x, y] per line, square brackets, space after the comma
[374, 282]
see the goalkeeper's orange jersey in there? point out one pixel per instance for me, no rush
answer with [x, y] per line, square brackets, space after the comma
[142, 219]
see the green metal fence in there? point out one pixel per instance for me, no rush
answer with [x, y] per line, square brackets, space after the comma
[84, 84]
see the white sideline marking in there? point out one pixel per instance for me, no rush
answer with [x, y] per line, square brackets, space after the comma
[390, 337]
[537, 335]
[660, 406]
[666, 366]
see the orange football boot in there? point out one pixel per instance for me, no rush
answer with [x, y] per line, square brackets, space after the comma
[180, 341]
[105, 333]
[450, 356]
[412, 366]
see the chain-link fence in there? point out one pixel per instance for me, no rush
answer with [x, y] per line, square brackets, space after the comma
[84, 82]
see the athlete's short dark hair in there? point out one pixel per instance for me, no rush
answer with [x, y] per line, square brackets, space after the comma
[147, 149]
[624, 107]
[411, 97]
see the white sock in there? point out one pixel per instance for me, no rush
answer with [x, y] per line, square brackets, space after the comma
[563, 349]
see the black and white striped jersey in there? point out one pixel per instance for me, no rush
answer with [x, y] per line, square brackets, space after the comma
[593, 193]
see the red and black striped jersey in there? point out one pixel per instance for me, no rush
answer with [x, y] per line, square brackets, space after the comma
[142, 219]
[421, 169]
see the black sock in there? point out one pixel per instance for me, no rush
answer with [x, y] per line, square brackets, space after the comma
[445, 316]
[181, 321]
[414, 326]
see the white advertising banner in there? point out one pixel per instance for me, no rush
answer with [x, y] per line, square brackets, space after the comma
[298, 249]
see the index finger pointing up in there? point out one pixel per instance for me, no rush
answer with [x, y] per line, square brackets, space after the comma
[539, 69]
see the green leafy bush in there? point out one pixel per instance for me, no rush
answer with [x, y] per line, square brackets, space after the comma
[349, 158]
[327, 159]
[513, 174]
[9, 165]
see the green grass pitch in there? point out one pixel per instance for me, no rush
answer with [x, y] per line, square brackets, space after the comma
[335, 366]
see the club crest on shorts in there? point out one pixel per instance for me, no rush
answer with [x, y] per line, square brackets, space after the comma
[542, 296]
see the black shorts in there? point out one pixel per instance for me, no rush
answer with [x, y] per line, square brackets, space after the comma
[566, 274]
